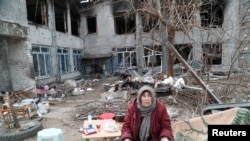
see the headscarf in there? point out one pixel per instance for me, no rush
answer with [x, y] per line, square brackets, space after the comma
[145, 112]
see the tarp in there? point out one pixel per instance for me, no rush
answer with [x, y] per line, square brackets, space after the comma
[195, 129]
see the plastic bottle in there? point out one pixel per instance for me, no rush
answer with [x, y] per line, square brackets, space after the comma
[90, 121]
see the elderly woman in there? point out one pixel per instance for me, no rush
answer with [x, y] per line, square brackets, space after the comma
[147, 119]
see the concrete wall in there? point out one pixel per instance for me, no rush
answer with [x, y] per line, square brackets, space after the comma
[16, 61]
[105, 39]
[13, 11]
[48, 36]
[5, 81]
[21, 64]
[17, 38]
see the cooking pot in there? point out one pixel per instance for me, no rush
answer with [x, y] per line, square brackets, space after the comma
[119, 117]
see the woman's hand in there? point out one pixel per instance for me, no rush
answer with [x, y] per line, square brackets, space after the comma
[127, 140]
[164, 139]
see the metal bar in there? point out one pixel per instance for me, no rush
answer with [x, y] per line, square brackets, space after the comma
[197, 78]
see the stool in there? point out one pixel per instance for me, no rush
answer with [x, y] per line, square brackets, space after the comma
[50, 133]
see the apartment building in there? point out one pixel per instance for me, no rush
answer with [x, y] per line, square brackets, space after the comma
[216, 40]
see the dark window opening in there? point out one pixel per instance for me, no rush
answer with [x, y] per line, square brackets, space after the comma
[123, 24]
[184, 15]
[212, 13]
[212, 54]
[149, 23]
[75, 21]
[91, 23]
[60, 16]
[185, 19]
[184, 50]
[37, 11]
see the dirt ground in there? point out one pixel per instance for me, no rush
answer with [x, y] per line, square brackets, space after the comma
[63, 119]
[181, 105]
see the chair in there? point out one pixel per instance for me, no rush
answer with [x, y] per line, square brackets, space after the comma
[50, 133]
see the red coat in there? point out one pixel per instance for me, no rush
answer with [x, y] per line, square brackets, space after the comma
[160, 123]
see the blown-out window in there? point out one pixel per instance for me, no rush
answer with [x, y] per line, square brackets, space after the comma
[149, 23]
[75, 20]
[212, 13]
[37, 12]
[124, 24]
[91, 23]
[212, 54]
[184, 50]
[60, 16]
[42, 61]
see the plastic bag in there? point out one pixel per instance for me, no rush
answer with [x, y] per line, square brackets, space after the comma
[110, 125]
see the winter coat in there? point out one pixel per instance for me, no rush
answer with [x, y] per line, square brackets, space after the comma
[160, 123]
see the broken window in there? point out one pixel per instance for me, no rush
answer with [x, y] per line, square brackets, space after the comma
[41, 61]
[212, 13]
[77, 56]
[149, 23]
[124, 24]
[37, 11]
[184, 50]
[212, 54]
[75, 21]
[91, 23]
[60, 16]
[63, 60]
[126, 57]
[152, 55]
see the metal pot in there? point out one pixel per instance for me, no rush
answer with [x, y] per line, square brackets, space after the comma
[119, 117]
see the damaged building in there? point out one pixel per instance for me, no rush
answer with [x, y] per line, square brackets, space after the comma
[40, 43]
[44, 41]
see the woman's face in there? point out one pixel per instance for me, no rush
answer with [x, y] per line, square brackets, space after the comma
[146, 99]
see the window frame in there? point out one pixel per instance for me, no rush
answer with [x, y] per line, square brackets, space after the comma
[63, 59]
[126, 52]
[77, 55]
[46, 63]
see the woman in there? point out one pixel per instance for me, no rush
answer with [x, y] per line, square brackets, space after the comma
[146, 119]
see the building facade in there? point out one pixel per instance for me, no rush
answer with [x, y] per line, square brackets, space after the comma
[47, 41]
[40, 43]
[215, 39]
